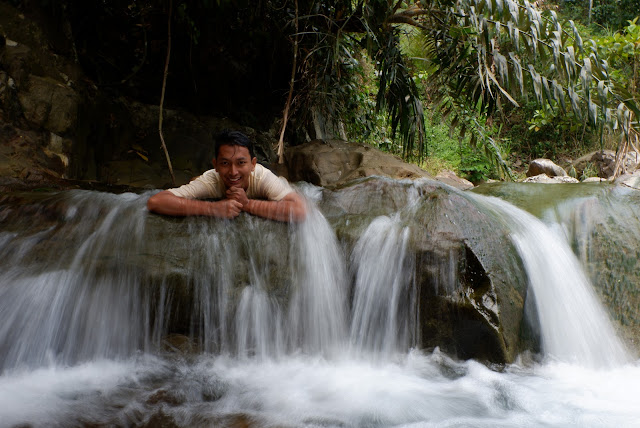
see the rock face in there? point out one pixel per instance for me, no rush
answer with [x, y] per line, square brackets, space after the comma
[545, 166]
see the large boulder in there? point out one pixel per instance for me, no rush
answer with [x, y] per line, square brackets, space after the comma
[545, 166]
[50, 104]
[470, 280]
[335, 162]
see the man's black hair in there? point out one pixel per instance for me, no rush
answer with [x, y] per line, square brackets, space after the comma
[233, 138]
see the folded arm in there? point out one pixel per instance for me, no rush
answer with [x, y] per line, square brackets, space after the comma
[290, 208]
[167, 203]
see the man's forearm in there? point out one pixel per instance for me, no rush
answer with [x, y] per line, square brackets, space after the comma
[284, 210]
[167, 203]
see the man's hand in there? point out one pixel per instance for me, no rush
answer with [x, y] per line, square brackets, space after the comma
[290, 208]
[229, 208]
[238, 194]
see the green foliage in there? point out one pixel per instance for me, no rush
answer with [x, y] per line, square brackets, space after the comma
[362, 120]
[398, 93]
[611, 14]
[589, 170]
[471, 60]
[622, 51]
[476, 167]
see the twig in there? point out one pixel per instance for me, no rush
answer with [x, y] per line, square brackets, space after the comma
[164, 85]
[287, 106]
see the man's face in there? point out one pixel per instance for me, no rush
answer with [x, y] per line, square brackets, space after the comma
[234, 164]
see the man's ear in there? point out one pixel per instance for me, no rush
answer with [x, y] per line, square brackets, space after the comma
[254, 161]
[213, 162]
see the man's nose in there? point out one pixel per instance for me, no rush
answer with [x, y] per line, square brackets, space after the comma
[234, 169]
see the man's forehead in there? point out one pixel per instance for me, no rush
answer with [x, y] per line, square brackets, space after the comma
[229, 151]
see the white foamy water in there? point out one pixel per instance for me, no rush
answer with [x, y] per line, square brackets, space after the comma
[416, 390]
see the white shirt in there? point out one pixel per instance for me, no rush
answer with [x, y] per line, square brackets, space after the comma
[263, 184]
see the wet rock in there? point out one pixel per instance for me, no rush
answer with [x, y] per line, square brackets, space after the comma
[160, 420]
[594, 180]
[470, 284]
[471, 296]
[545, 166]
[179, 343]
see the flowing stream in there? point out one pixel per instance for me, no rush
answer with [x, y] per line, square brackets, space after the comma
[83, 329]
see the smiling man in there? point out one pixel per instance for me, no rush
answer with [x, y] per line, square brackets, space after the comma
[237, 184]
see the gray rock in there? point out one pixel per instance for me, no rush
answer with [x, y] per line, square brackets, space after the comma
[630, 180]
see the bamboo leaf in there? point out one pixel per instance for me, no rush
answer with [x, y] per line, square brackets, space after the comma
[505, 93]
[517, 71]
[576, 35]
[559, 94]
[593, 112]
[537, 84]
[602, 92]
[547, 91]
[575, 102]
[499, 7]
[620, 115]
[569, 61]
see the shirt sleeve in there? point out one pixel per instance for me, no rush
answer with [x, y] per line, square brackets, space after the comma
[270, 186]
[207, 186]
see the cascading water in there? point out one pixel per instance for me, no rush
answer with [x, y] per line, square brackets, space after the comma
[64, 299]
[384, 298]
[574, 326]
[83, 327]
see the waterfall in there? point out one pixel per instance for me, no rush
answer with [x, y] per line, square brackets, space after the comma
[574, 326]
[62, 303]
[384, 298]
[289, 324]
[260, 289]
